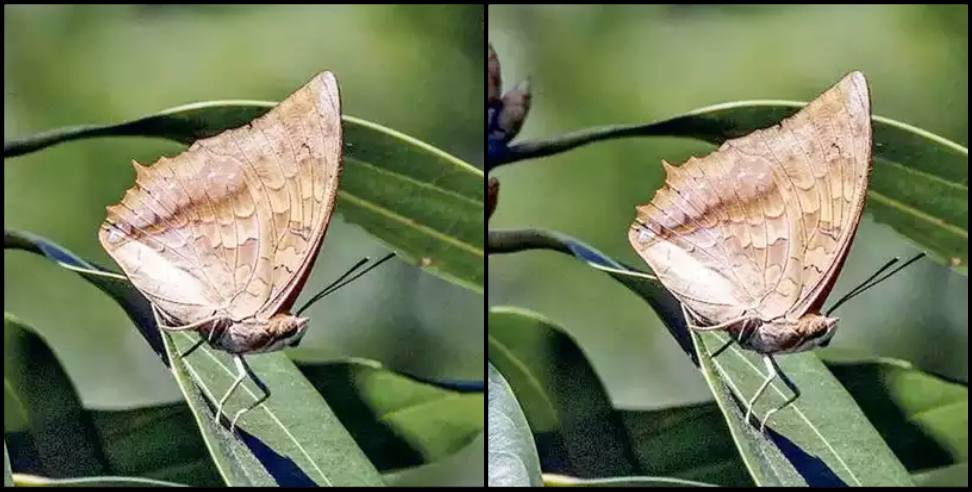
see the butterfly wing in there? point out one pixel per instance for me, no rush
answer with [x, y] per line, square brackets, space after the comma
[762, 225]
[234, 222]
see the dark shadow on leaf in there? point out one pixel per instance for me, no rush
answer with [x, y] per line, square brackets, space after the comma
[811, 468]
[910, 443]
[284, 470]
[380, 443]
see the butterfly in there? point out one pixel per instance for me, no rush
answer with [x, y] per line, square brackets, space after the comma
[751, 238]
[221, 238]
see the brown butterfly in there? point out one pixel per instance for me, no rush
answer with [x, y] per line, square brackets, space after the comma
[752, 237]
[222, 237]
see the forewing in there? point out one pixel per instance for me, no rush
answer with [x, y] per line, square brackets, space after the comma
[763, 223]
[243, 213]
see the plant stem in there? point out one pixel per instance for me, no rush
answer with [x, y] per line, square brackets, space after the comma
[511, 241]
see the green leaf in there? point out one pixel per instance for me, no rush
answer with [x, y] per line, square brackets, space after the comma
[292, 438]
[106, 481]
[552, 480]
[947, 476]
[512, 459]
[687, 442]
[919, 184]
[155, 442]
[924, 418]
[158, 443]
[462, 469]
[398, 421]
[38, 390]
[417, 199]
[823, 431]
[578, 431]
[7, 473]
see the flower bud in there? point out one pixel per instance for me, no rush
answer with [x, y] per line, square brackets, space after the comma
[516, 105]
[492, 195]
[493, 81]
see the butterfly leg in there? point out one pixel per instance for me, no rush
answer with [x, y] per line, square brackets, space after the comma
[796, 394]
[721, 326]
[162, 326]
[770, 376]
[263, 387]
[241, 374]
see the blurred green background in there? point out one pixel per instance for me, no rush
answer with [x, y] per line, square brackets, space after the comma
[418, 70]
[596, 65]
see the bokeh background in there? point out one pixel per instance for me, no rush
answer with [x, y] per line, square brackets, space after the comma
[418, 70]
[597, 65]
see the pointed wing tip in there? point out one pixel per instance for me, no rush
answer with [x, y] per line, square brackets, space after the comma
[327, 78]
[856, 79]
[856, 76]
[325, 87]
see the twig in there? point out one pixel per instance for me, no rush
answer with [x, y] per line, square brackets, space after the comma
[511, 241]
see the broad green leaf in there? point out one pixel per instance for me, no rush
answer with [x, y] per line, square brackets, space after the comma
[462, 469]
[512, 455]
[825, 422]
[7, 477]
[919, 184]
[43, 394]
[398, 421]
[390, 415]
[578, 431]
[823, 433]
[157, 443]
[924, 418]
[765, 462]
[553, 480]
[947, 476]
[688, 442]
[294, 429]
[24, 480]
[417, 199]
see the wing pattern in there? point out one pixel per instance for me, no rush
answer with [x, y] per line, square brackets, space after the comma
[233, 224]
[762, 225]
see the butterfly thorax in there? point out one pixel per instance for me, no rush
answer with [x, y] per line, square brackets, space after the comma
[254, 334]
[784, 335]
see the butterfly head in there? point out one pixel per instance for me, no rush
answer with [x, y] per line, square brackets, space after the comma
[286, 331]
[816, 331]
[255, 335]
[787, 336]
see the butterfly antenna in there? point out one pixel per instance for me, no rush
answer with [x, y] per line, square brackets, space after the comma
[341, 282]
[871, 281]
